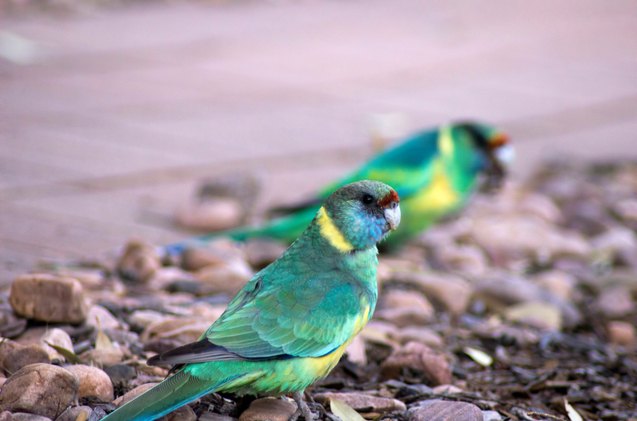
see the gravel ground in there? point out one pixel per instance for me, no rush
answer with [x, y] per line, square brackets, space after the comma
[521, 308]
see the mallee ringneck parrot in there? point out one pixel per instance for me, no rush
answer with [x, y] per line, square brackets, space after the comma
[434, 172]
[290, 324]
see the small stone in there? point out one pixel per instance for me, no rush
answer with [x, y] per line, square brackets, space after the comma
[76, 413]
[446, 389]
[615, 302]
[139, 262]
[58, 338]
[441, 410]
[217, 253]
[94, 383]
[7, 347]
[540, 315]
[451, 292]
[227, 278]
[405, 308]
[491, 416]
[622, 333]
[211, 416]
[11, 325]
[421, 334]
[120, 374]
[181, 329]
[559, 283]
[213, 214]
[40, 389]
[24, 355]
[356, 351]
[269, 409]
[100, 318]
[464, 258]
[104, 357]
[260, 252]
[48, 298]
[363, 402]
[132, 394]
[417, 357]
[24, 416]
[185, 413]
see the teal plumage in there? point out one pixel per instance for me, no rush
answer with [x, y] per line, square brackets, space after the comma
[434, 172]
[291, 323]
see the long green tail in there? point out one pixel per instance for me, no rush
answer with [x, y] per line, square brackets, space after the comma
[164, 398]
[286, 229]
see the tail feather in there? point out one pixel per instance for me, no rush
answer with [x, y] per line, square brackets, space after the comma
[164, 398]
[286, 228]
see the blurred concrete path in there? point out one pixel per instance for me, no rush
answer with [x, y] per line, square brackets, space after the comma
[108, 118]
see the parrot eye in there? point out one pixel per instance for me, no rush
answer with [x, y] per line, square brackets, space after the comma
[368, 199]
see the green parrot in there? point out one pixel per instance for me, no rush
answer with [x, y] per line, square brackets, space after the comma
[290, 324]
[434, 172]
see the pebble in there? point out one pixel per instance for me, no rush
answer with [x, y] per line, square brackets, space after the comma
[363, 402]
[421, 334]
[180, 329]
[213, 214]
[24, 355]
[260, 252]
[94, 383]
[185, 413]
[441, 410]
[559, 283]
[48, 298]
[100, 318]
[622, 333]
[451, 292]
[491, 416]
[405, 308]
[269, 409]
[132, 394]
[227, 278]
[59, 338]
[356, 351]
[420, 358]
[7, 347]
[24, 416]
[40, 389]
[615, 302]
[120, 374]
[76, 413]
[139, 262]
[468, 259]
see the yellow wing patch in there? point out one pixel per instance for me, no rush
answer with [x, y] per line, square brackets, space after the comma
[439, 194]
[329, 231]
[445, 141]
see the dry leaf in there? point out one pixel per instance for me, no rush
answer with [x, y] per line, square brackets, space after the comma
[478, 356]
[344, 411]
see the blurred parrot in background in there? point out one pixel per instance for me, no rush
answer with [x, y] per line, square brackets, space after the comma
[434, 172]
[290, 324]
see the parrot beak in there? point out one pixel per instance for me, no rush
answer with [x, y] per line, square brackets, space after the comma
[392, 216]
[500, 154]
[391, 209]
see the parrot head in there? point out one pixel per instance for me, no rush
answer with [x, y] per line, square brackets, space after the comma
[363, 213]
[495, 153]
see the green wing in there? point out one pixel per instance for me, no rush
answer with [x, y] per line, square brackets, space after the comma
[304, 318]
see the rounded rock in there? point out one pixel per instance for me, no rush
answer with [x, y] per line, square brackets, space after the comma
[48, 298]
[268, 409]
[441, 410]
[40, 389]
[94, 383]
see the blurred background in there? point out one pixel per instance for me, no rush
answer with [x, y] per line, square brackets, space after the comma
[111, 112]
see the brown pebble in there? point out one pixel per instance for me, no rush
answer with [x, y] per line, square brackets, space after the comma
[213, 214]
[418, 357]
[138, 262]
[131, 394]
[41, 389]
[363, 402]
[441, 410]
[24, 355]
[94, 383]
[621, 333]
[48, 298]
[405, 308]
[269, 409]
[76, 413]
[185, 413]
